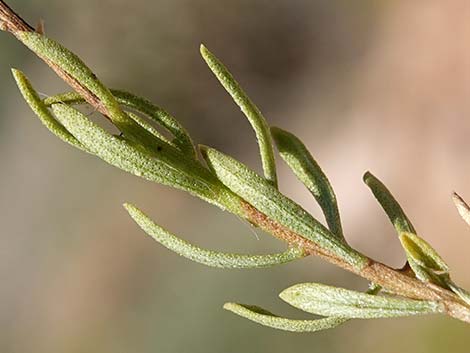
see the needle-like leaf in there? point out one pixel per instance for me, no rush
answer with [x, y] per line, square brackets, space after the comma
[265, 318]
[251, 111]
[209, 257]
[331, 301]
[267, 199]
[307, 170]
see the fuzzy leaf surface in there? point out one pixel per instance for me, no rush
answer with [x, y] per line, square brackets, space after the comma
[209, 257]
[307, 170]
[266, 318]
[267, 199]
[251, 111]
[325, 300]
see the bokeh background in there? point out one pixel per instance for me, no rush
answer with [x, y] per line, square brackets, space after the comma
[368, 85]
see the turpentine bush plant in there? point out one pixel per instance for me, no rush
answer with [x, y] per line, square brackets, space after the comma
[422, 286]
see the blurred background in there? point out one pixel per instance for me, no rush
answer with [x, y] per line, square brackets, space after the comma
[381, 86]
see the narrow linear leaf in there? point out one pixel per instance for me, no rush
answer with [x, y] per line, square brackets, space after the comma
[59, 56]
[265, 318]
[251, 111]
[121, 154]
[391, 207]
[40, 109]
[209, 257]
[267, 199]
[307, 170]
[182, 140]
[425, 262]
[462, 207]
[331, 301]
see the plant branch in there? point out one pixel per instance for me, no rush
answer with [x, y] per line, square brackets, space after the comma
[393, 280]
[399, 282]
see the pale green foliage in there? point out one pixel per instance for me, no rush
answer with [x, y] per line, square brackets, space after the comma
[266, 198]
[299, 159]
[265, 318]
[422, 253]
[40, 109]
[391, 207]
[142, 150]
[209, 257]
[181, 140]
[251, 111]
[118, 152]
[331, 301]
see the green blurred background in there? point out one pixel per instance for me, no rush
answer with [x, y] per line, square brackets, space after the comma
[381, 86]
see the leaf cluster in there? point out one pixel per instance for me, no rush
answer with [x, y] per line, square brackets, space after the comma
[140, 148]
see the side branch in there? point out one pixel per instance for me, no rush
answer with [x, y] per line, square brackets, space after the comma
[394, 281]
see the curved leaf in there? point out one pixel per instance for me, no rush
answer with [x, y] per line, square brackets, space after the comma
[251, 111]
[331, 301]
[40, 109]
[391, 207]
[307, 170]
[265, 318]
[208, 257]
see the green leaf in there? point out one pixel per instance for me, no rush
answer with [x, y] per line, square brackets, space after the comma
[251, 111]
[267, 199]
[391, 207]
[265, 318]
[54, 53]
[299, 159]
[40, 109]
[424, 260]
[462, 207]
[427, 265]
[422, 253]
[331, 301]
[182, 140]
[143, 123]
[60, 56]
[209, 257]
[123, 155]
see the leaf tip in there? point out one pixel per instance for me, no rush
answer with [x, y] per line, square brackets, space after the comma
[367, 177]
[203, 50]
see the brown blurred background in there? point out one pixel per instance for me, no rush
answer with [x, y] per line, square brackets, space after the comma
[381, 86]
